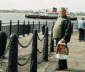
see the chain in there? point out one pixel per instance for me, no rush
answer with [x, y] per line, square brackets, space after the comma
[25, 62]
[25, 45]
[39, 38]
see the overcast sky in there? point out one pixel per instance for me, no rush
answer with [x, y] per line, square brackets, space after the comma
[74, 5]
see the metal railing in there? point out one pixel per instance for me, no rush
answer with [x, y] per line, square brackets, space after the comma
[12, 47]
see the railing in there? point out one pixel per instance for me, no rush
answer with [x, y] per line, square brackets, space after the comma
[22, 28]
[13, 50]
[26, 27]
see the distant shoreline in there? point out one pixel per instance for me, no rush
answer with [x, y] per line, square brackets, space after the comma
[14, 11]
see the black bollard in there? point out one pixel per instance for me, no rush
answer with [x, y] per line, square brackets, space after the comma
[13, 54]
[51, 45]
[52, 41]
[3, 41]
[33, 65]
[45, 47]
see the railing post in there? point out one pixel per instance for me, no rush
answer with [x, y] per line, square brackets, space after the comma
[3, 41]
[43, 29]
[10, 27]
[24, 28]
[45, 47]
[13, 54]
[39, 27]
[28, 28]
[33, 64]
[18, 28]
[52, 41]
[0, 24]
[33, 27]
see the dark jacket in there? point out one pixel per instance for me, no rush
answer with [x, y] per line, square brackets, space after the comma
[67, 29]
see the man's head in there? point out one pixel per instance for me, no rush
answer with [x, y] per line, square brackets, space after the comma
[62, 12]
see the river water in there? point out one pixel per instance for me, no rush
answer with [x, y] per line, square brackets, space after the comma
[6, 17]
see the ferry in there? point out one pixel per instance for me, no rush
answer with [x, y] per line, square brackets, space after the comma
[47, 15]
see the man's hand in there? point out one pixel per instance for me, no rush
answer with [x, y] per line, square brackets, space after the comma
[62, 41]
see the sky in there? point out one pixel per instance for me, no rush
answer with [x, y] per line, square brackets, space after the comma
[72, 5]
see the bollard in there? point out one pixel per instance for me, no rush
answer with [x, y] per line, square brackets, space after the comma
[13, 54]
[0, 24]
[33, 65]
[51, 45]
[3, 41]
[52, 41]
[45, 47]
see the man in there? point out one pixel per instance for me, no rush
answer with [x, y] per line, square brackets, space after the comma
[62, 31]
[81, 28]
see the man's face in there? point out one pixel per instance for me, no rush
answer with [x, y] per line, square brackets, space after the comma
[62, 12]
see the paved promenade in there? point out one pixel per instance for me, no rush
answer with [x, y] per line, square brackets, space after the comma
[76, 60]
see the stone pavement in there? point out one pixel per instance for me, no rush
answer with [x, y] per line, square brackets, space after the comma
[76, 60]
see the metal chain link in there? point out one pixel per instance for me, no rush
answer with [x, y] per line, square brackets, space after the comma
[25, 45]
[40, 40]
[39, 37]
[25, 62]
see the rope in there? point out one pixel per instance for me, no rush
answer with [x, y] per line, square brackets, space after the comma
[25, 62]
[25, 45]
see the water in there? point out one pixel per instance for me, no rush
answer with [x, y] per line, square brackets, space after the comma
[6, 17]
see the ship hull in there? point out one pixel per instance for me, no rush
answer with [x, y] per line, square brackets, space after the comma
[41, 17]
